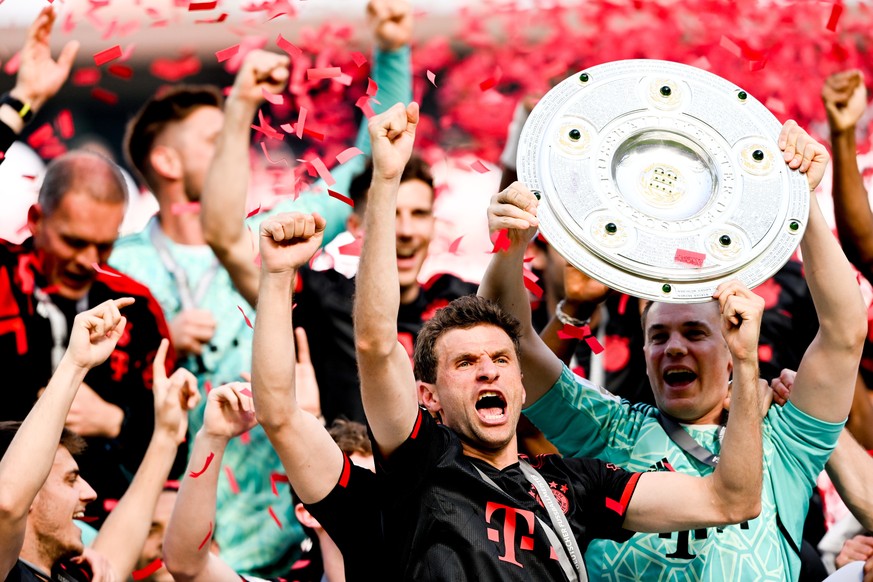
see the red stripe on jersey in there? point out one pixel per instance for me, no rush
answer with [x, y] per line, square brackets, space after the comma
[620, 506]
[347, 471]
[417, 426]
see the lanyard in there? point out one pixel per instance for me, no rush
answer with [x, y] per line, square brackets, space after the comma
[57, 321]
[187, 298]
[686, 442]
[566, 547]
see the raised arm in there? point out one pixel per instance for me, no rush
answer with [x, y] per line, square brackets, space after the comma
[826, 376]
[514, 209]
[125, 531]
[229, 413]
[28, 460]
[851, 470]
[312, 460]
[845, 100]
[226, 184]
[669, 501]
[39, 76]
[388, 387]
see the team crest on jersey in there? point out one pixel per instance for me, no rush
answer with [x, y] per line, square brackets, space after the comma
[559, 490]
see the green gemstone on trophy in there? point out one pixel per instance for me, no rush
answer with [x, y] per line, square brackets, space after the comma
[575, 134]
[666, 91]
[725, 240]
[794, 225]
[757, 155]
[583, 77]
[666, 288]
[742, 95]
[611, 227]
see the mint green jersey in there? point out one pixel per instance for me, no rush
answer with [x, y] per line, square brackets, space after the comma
[583, 420]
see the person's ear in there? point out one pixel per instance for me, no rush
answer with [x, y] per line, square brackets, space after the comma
[305, 518]
[166, 162]
[35, 216]
[428, 398]
[355, 225]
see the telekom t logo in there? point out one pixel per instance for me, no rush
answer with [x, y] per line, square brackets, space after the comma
[510, 522]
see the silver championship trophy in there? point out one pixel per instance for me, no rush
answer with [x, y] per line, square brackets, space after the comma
[662, 180]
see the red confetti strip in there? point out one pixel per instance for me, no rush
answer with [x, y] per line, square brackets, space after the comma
[372, 87]
[175, 70]
[274, 98]
[432, 78]
[353, 249]
[363, 103]
[275, 517]
[206, 539]
[195, 6]
[277, 478]
[120, 71]
[245, 438]
[246, 317]
[775, 105]
[220, 18]
[41, 136]
[341, 198]
[246, 392]
[323, 172]
[267, 129]
[502, 243]
[195, 474]
[313, 134]
[289, 48]
[144, 573]
[453, 248]
[622, 304]
[65, 124]
[301, 120]
[253, 212]
[479, 167]
[595, 345]
[12, 64]
[689, 257]
[185, 208]
[530, 283]
[107, 55]
[269, 159]
[227, 54]
[231, 480]
[97, 268]
[346, 155]
[101, 94]
[319, 74]
[109, 504]
[358, 58]
[836, 11]
[730, 46]
[86, 77]
[571, 332]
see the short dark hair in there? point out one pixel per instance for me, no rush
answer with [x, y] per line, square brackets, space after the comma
[83, 171]
[69, 440]
[416, 169]
[462, 313]
[173, 105]
[351, 437]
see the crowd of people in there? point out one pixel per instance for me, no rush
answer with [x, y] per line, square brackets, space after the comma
[353, 422]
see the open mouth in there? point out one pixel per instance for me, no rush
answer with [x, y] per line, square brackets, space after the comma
[406, 257]
[491, 407]
[679, 377]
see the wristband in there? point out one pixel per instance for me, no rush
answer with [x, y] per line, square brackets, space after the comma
[566, 319]
[23, 110]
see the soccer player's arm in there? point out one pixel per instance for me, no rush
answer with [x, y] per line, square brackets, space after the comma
[512, 214]
[825, 381]
[312, 460]
[851, 470]
[388, 387]
[667, 501]
[28, 460]
[224, 191]
[229, 413]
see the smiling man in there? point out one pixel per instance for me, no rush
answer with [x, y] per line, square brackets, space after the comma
[459, 503]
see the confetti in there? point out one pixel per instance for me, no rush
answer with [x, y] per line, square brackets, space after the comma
[453, 248]
[253, 212]
[147, 571]
[372, 87]
[206, 539]
[323, 172]
[120, 71]
[275, 517]
[286, 46]
[775, 105]
[301, 120]
[319, 74]
[173, 71]
[363, 103]
[185, 208]
[277, 478]
[65, 124]
[101, 94]
[12, 64]
[86, 77]
[227, 54]
[432, 78]
[195, 474]
[107, 55]
[346, 155]
[195, 6]
[502, 243]
[274, 98]
[358, 58]
[271, 160]
[478, 166]
[97, 268]
[109, 504]
[246, 317]
[836, 11]
[353, 249]
[571, 332]
[221, 18]
[231, 480]
[341, 198]
[689, 257]
[41, 136]
[313, 134]
[530, 283]
[595, 346]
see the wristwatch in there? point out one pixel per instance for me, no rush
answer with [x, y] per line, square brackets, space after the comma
[22, 109]
[566, 319]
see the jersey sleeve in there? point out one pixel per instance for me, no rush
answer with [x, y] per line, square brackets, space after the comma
[409, 465]
[585, 420]
[606, 491]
